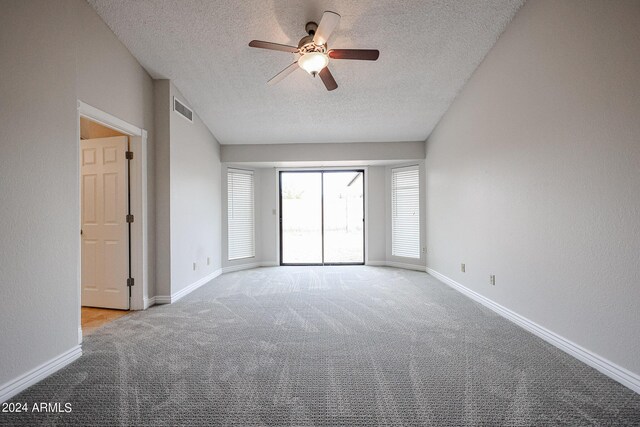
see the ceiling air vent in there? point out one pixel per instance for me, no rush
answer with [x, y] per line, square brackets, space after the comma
[182, 109]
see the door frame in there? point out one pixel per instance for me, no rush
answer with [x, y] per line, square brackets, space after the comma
[139, 254]
[322, 171]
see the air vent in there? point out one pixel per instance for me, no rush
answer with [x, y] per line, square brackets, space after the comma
[182, 109]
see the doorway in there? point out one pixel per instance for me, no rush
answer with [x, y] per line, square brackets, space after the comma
[137, 173]
[322, 217]
[105, 232]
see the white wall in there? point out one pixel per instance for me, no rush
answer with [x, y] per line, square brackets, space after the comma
[109, 78]
[195, 199]
[267, 238]
[534, 175]
[162, 111]
[189, 197]
[376, 214]
[378, 250]
[51, 52]
[269, 218]
[318, 153]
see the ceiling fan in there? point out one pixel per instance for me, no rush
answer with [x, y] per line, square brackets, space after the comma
[314, 52]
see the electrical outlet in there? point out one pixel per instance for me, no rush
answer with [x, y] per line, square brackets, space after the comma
[492, 280]
[208, 261]
[463, 268]
[194, 266]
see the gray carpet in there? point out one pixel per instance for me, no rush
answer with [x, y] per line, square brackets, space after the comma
[325, 346]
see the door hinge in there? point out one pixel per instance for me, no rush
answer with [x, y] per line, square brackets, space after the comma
[130, 281]
[129, 218]
[129, 155]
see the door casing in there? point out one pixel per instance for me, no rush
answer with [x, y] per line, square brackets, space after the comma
[138, 194]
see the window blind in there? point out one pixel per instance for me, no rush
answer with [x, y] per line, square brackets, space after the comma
[405, 212]
[240, 218]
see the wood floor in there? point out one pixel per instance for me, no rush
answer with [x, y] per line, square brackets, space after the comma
[94, 318]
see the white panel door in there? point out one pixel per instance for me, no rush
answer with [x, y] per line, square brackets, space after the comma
[105, 232]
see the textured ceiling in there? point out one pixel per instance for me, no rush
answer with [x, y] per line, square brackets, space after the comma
[428, 49]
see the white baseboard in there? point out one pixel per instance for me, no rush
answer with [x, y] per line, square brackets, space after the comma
[148, 302]
[15, 386]
[269, 264]
[396, 265]
[170, 299]
[610, 369]
[405, 266]
[162, 299]
[239, 267]
[195, 285]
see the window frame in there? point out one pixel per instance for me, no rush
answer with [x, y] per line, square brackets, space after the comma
[231, 197]
[417, 252]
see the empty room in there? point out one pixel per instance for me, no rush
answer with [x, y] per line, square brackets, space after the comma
[319, 212]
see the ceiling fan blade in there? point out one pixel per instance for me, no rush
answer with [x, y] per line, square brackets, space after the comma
[328, 23]
[273, 46]
[284, 73]
[327, 79]
[362, 54]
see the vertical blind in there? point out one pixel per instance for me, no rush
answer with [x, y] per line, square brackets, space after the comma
[240, 217]
[405, 212]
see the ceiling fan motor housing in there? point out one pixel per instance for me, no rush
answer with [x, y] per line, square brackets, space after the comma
[306, 40]
[311, 28]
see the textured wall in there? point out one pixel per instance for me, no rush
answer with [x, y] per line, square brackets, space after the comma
[46, 47]
[376, 213]
[108, 77]
[188, 195]
[39, 211]
[195, 199]
[533, 175]
[162, 110]
[269, 222]
[267, 249]
[359, 151]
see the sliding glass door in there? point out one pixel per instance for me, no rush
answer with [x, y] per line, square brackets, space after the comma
[321, 217]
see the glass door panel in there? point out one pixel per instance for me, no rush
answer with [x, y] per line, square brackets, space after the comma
[301, 217]
[343, 206]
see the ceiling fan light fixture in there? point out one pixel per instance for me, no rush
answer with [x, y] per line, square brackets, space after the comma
[313, 62]
[313, 51]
